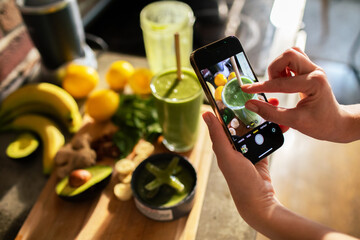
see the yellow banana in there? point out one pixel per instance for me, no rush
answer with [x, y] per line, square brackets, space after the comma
[55, 101]
[38, 108]
[51, 137]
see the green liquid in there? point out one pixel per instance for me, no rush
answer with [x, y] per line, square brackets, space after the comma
[178, 105]
[234, 98]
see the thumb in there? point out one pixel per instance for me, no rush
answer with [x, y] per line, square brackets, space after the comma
[272, 113]
[221, 143]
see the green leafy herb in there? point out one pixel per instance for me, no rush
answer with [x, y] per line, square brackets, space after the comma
[137, 118]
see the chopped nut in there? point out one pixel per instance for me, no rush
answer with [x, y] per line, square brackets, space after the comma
[105, 147]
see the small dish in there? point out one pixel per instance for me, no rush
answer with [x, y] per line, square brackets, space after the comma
[164, 202]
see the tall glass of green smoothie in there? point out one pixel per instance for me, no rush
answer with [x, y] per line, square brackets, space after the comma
[159, 22]
[178, 104]
[234, 98]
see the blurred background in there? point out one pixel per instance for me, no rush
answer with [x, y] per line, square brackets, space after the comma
[332, 28]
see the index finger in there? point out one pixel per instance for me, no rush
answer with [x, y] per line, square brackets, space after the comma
[281, 85]
[292, 59]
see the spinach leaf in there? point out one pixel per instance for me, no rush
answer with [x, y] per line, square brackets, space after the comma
[137, 118]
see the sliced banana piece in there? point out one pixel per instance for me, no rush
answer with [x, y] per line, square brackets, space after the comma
[139, 158]
[125, 178]
[124, 166]
[144, 148]
[123, 191]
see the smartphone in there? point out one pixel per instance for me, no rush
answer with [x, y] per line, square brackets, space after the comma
[221, 68]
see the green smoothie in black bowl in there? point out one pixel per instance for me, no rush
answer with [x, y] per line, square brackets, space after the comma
[164, 186]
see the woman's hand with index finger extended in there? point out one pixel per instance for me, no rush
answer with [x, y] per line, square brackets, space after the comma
[317, 113]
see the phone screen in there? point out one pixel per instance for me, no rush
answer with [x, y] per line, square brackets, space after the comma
[254, 137]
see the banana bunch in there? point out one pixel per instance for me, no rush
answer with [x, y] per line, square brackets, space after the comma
[42, 98]
[51, 137]
[33, 107]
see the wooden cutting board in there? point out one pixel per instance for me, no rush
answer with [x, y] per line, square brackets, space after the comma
[106, 217]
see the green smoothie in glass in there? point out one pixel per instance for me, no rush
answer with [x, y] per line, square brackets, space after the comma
[178, 105]
[234, 98]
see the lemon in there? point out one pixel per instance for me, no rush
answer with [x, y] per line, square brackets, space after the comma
[102, 104]
[218, 92]
[231, 76]
[118, 74]
[79, 80]
[220, 80]
[140, 81]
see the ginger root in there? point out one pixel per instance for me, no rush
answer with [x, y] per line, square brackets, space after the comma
[75, 155]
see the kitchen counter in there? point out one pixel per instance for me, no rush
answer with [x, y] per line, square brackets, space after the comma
[22, 183]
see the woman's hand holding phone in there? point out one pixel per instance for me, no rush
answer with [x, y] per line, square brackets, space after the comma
[254, 196]
[318, 113]
[250, 185]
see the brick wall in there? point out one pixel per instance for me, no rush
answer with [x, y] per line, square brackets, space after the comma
[15, 43]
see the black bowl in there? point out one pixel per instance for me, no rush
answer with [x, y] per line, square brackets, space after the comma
[158, 207]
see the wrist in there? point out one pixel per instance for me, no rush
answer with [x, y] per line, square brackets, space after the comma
[259, 213]
[349, 123]
[264, 219]
[281, 223]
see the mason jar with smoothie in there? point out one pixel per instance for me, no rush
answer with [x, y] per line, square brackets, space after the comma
[178, 104]
[234, 98]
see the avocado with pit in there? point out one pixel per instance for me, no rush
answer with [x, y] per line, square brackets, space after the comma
[23, 146]
[94, 180]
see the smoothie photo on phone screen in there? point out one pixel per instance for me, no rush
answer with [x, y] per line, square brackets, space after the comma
[230, 99]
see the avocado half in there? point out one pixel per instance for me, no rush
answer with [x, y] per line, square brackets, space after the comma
[100, 177]
[23, 146]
